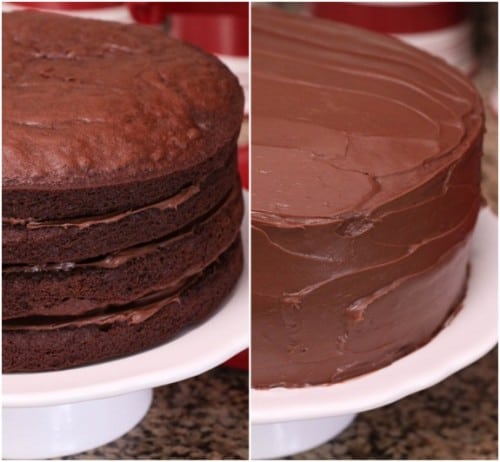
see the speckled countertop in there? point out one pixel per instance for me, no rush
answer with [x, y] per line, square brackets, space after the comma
[205, 417]
[454, 420]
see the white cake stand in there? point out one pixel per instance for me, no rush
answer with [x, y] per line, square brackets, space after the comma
[287, 421]
[53, 414]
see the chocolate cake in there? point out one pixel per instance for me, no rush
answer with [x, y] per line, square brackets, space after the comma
[121, 198]
[365, 191]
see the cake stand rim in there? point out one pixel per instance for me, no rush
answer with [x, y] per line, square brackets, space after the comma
[350, 397]
[196, 351]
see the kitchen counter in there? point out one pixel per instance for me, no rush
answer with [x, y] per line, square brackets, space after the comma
[205, 417]
[454, 420]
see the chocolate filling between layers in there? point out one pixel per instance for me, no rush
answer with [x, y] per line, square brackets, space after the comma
[120, 257]
[71, 288]
[134, 312]
[171, 202]
[69, 347]
[90, 237]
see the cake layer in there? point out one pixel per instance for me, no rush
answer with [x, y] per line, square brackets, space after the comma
[48, 344]
[100, 117]
[79, 287]
[365, 190]
[88, 237]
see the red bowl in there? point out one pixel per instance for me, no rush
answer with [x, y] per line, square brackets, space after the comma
[217, 27]
[394, 18]
[240, 361]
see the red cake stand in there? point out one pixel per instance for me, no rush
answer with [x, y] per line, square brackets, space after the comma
[287, 421]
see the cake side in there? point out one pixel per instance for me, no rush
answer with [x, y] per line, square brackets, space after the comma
[67, 343]
[365, 192]
[70, 289]
[74, 239]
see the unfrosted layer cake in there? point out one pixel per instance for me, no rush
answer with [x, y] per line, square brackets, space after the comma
[121, 198]
[365, 191]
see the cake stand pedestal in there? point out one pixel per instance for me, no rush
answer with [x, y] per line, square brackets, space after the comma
[54, 431]
[287, 421]
[54, 414]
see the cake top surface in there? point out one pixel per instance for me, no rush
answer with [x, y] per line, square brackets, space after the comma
[345, 120]
[94, 103]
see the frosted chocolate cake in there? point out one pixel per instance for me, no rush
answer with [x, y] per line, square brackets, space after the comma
[365, 191]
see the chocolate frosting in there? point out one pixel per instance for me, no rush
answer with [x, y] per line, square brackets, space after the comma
[54, 302]
[134, 312]
[170, 203]
[365, 189]
[91, 103]
[121, 257]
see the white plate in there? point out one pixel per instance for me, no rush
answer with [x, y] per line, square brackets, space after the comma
[193, 352]
[471, 334]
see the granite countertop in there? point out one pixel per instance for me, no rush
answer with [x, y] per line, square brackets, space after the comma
[454, 420]
[205, 417]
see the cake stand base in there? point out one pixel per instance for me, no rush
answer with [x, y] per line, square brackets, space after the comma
[60, 430]
[277, 440]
